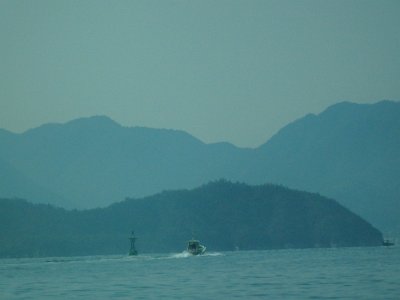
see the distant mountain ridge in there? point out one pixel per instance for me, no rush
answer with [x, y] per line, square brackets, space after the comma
[348, 152]
[94, 161]
[15, 184]
[225, 216]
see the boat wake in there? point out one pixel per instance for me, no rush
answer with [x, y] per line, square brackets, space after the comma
[183, 254]
[186, 254]
[127, 258]
[213, 254]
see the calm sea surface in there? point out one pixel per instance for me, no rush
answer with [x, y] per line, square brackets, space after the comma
[342, 273]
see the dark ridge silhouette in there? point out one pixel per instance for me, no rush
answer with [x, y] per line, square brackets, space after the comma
[224, 215]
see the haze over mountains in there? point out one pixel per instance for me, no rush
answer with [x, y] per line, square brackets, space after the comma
[348, 152]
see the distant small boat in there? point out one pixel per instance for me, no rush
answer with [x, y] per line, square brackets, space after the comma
[195, 248]
[387, 242]
[132, 250]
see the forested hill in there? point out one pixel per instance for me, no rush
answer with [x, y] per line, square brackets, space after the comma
[223, 215]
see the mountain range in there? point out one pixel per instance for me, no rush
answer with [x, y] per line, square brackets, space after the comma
[349, 152]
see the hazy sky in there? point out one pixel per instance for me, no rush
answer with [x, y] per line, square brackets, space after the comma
[232, 71]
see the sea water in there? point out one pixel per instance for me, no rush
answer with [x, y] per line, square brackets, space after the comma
[335, 273]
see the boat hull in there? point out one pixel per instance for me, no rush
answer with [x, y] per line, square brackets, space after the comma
[199, 251]
[387, 243]
[195, 248]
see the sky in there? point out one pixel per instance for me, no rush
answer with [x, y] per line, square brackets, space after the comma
[222, 70]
